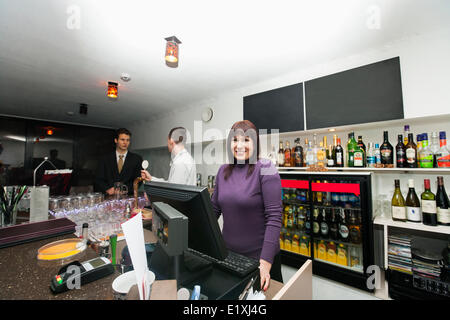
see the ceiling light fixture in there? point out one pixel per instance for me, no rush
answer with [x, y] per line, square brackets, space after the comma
[113, 90]
[49, 132]
[172, 51]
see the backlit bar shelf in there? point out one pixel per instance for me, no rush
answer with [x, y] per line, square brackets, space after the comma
[375, 170]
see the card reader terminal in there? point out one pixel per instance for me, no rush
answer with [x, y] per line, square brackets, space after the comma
[76, 274]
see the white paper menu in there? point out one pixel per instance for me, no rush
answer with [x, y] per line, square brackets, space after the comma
[134, 235]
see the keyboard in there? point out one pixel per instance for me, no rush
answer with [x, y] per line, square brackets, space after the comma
[235, 263]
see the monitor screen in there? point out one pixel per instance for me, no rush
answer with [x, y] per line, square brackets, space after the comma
[204, 233]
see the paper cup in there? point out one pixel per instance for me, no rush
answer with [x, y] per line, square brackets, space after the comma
[122, 284]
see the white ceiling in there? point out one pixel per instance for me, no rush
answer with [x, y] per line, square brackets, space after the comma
[48, 68]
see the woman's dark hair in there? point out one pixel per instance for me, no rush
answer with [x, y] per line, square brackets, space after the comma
[248, 129]
[122, 131]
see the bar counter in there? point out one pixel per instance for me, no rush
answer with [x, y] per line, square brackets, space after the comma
[24, 277]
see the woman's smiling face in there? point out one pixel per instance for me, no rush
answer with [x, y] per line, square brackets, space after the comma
[242, 147]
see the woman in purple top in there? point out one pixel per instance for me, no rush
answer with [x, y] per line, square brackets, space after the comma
[248, 195]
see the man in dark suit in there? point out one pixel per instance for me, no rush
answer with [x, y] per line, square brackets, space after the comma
[119, 166]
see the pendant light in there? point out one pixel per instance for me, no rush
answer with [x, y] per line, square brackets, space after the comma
[113, 90]
[172, 51]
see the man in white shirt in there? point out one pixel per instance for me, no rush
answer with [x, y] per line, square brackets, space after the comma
[182, 166]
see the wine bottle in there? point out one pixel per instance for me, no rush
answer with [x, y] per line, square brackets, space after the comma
[442, 203]
[339, 154]
[429, 212]
[412, 204]
[398, 204]
[400, 153]
[386, 150]
[411, 152]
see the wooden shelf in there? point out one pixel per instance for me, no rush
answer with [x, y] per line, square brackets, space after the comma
[411, 225]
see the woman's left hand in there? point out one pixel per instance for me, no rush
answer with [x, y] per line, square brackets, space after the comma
[264, 273]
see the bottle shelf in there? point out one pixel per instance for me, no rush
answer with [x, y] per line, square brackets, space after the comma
[295, 253]
[374, 170]
[358, 268]
[348, 243]
[379, 220]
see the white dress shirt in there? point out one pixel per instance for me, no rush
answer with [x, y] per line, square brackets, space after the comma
[124, 156]
[182, 169]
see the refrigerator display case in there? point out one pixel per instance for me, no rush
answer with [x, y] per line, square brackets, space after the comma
[327, 217]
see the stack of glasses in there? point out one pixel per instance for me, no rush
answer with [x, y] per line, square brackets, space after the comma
[104, 217]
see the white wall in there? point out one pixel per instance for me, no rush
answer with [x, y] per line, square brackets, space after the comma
[425, 68]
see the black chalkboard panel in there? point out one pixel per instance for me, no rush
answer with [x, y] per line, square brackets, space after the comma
[280, 109]
[366, 94]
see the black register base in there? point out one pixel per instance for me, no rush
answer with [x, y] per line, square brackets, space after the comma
[215, 283]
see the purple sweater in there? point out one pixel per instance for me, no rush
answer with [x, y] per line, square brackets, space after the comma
[251, 208]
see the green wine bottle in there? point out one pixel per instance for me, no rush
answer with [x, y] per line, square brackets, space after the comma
[429, 210]
[398, 204]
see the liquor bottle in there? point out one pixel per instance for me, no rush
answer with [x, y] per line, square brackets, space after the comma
[443, 155]
[425, 154]
[311, 157]
[406, 136]
[287, 155]
[319, 197]
[377, 154]
[316, 223]
[339, 154]
[298, 154]
[326, 197]
[371, 161]
[419, 149]
[281, 155]
[363, 147]
[398, 204]
[412, 203]
[400, 152]
[330, 159]
[354, 227]
[411, 152]
[442, 203]
[304, 153]
[334, 226]
[343, 227]
[429, 212]
[324, 228]
[321, 155]
[351, 145]
[387, 151]
[434, 147]
[315, 149]
[307, 221]
[359, 155]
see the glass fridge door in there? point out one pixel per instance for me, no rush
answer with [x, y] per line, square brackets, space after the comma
[296, 219]
[337, 224]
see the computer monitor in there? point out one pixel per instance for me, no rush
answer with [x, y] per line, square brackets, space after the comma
[204, 233]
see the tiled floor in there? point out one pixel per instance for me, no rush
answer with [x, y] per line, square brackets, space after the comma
[324, 289]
